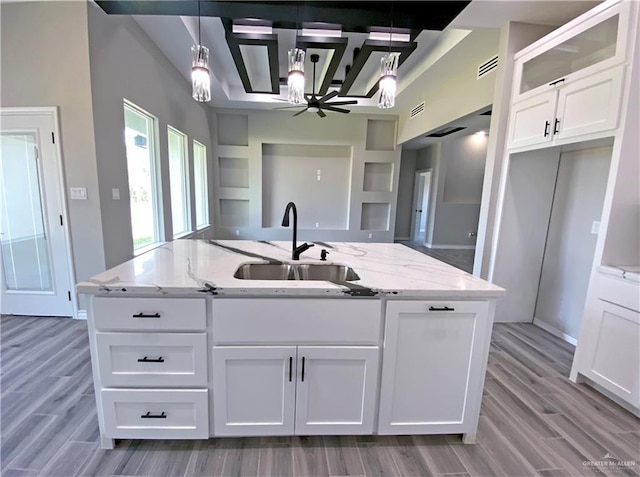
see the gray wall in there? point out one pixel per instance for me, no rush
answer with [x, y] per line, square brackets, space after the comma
[44, 59]
[405, 194]
[568, 257]
[125, 63]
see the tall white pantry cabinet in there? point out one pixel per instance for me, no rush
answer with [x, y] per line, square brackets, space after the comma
[577, 89]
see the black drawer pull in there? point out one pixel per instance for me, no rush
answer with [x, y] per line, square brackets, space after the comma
[303, 369]
[444, 308]
[290, 368]
[561, 80]
[147, 315]
[556, 129]
[546, 128]
[151, 360]
[148, 415]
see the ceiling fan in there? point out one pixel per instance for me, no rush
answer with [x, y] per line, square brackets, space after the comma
[319, 105]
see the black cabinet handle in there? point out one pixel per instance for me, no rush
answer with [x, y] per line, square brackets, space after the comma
[546, 128]
[561, 80]
[444, 308]
[147, 315]
[290, 368]
[303, 369]
[148, 415]
[148, 360]
[556, 127]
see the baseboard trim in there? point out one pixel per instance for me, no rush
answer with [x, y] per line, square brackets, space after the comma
[554, 331]
[454, 247]
[82, 315]
[402, 238]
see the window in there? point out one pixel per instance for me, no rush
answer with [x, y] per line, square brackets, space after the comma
[139, 133]
[201, 183]
[179, 182]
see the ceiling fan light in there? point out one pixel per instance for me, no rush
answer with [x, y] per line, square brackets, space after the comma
[295, 80]
[313, 109]
[388, 81]
[200, 76]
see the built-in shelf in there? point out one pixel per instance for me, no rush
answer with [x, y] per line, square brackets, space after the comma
[234, 213]
[375, 216]
[381, 135]
[234, 172]
[233, 129]
[378, 176]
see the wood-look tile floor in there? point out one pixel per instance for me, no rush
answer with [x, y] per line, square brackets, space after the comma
[534, 421]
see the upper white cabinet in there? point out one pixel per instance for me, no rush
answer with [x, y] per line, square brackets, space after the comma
[569, 84]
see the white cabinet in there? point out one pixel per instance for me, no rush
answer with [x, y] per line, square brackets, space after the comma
[434, 362]
[584, 106]
[287, 390]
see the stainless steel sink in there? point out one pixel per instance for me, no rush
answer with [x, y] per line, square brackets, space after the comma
[264, 271]
[331, 272]
[305, 271]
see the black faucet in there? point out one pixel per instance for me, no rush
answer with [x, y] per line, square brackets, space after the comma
[296, 251]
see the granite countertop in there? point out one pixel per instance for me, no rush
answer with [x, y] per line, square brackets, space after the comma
[198, 267]
[628, 272]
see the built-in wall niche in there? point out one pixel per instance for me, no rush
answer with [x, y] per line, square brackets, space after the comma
[233, 129]
[234, 172]
[378, 176]
[234, 213]
[316, 178]
[375, 216]
[381, 135]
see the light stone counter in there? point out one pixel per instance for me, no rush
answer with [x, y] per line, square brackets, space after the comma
[188, 267]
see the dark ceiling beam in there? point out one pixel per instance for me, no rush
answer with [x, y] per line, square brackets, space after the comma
[368, 47]
[338, 45]
[354, 16]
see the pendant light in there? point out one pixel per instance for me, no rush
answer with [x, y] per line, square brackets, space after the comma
[200, 76]
[295, 80]
[388, 74]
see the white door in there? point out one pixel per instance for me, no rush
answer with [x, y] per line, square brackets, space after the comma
[433, 366]
[422, 189]
[254, 390]
[336, 390]
[532, 120]
[36, 276]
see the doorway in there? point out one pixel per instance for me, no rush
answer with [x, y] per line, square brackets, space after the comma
[36, 273]
[421, 191]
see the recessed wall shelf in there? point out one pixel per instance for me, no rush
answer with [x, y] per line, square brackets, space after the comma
[233, 129]
[381, 135]
[375, 216]
[378, 176]
[234, 172]
[234, 213]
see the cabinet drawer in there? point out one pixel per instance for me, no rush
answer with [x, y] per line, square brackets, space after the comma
[152, 359]
[619, 291]
[161, 314]
[294, 320]
[155, 414]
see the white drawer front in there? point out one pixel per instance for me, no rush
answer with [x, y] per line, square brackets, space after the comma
[152, 359]
[293, 320]
[142, 314]
[619, 291]
[155, 414]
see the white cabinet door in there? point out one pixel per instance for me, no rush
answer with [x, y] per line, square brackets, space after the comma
[532, 120]
[434, 361]
[614, 352]
[336, 389]
[589, 105]
[254, 390]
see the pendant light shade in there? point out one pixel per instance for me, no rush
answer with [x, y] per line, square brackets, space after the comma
[295, 80]
[387, 83]
[200, 77]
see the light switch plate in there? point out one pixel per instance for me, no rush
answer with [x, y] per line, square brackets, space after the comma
[78, 193]
[595, 227]
[115, 194]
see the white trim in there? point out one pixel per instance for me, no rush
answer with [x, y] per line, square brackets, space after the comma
[554, 331]
[147, 248]
[454, 247]
[81, 315]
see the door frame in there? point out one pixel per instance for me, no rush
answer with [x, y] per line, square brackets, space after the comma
[53, 113]
[415, 199]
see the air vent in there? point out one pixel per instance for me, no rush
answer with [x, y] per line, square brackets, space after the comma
[487, 66]
[445, 131]
[417, 110]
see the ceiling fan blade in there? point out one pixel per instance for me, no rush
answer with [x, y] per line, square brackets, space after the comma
[289, 107]
[328, 96]
[300, 112]
[337, 110]
[341, 103]
[321, 113]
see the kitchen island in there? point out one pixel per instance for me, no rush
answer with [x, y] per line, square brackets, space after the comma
[184, 347]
